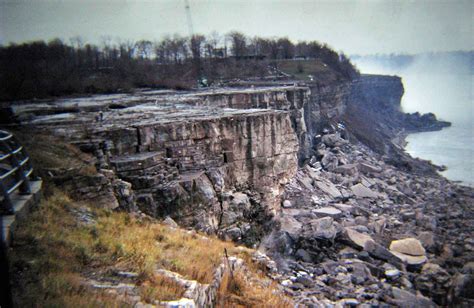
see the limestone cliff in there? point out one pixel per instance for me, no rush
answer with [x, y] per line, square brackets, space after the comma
[217, 159]
[310, 171]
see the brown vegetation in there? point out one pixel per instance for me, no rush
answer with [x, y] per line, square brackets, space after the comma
[67, 244]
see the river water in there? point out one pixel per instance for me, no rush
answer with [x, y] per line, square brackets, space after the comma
[446, 89]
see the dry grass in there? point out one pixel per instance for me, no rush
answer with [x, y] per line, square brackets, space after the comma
[159, 287]
[55, 252]
[144, 245]
[65, 243]
[244, 289]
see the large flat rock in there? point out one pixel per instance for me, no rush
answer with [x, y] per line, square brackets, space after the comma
[328, 211]
[410, 260]
[360, 191]
[137, 161]
[408, 246]
[329, 189]
[356, 238]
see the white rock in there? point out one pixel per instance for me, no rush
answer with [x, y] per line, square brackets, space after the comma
[328, 211]
[392, 273]
[181, 303]
[287, 203]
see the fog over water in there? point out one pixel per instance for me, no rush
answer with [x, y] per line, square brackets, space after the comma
[442, 84]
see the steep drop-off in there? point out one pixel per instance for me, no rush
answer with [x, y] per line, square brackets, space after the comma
[315, 173]
[217, 159]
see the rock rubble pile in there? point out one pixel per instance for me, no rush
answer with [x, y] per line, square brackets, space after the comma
[356, 231]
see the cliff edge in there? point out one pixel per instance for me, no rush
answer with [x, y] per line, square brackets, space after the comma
[312, 173]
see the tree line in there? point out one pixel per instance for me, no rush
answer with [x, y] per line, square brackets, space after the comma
[42, 69]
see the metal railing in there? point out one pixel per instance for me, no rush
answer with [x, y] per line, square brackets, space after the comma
[15, 170]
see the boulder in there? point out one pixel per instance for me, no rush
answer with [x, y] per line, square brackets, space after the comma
[367, 168]
[305, 280]
[329, 161]
[379, 225]
[360, 191]
[240, 201]
[333, 140]
[356, 239]
[278, 242]
[180, 303]
[405, 299]
[348, 302]
[392, 274]
[290, 225]
[328, 211]
[414, 261]
[170, 222]
[205, 189]
[233, 233]
[329, 189]
[428, 240]
[323, 228]
[347, 169]
[435, 282]
[378, 251]
[468, 268]
[360, 273]
[345, 208]
[306, 182]
[303, 255]
[463, 286]
[361, 220]
[287, 204]
[408, 246]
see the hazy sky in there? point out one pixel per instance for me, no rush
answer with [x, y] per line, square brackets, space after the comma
[353, 26]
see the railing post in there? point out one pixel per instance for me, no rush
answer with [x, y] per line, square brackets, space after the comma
[7, 205]
[19, 174]
[18, 161]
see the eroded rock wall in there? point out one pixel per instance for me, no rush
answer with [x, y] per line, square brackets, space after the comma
[215, 160]
[293, 99]
[196, 162]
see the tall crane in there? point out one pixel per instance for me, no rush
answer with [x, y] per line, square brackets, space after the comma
[188, 18]
[201, 80]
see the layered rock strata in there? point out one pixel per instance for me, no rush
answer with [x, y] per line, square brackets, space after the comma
[209, 159]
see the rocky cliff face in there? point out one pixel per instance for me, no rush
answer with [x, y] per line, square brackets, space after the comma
[288, 161]
[375, 117]
[214, 160]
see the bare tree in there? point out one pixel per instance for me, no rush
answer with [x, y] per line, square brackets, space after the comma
[127, 49]
[286, 48]
[144, 49]
[196, 44]
[212, 44]
[239, 43]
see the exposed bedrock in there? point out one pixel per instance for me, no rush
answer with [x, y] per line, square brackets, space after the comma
[214, 160]
[374, 115]
[217, 159]
[315, 174]
[189, 170]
